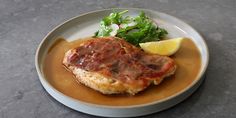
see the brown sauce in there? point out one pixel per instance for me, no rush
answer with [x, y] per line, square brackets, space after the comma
[188, 60]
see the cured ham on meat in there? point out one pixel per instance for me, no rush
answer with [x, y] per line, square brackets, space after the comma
[111, 65]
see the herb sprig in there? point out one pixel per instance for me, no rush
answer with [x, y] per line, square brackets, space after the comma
[134, 30]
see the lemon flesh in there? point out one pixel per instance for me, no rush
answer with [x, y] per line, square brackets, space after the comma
[165, 47]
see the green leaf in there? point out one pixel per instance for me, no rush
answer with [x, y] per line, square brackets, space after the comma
[142, 30]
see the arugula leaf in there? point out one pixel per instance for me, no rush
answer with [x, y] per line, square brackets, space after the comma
[135, 30]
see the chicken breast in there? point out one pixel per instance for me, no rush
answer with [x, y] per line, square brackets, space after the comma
[111, 65]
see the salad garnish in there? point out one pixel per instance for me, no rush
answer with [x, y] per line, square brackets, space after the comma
[135, 30]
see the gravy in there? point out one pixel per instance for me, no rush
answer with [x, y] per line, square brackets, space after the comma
[188, 61]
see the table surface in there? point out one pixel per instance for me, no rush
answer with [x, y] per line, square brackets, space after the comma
[23, 24]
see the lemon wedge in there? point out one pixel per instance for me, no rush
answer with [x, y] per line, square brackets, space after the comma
[165, 47]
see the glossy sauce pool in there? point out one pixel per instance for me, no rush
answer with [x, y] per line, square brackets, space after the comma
[188, 61]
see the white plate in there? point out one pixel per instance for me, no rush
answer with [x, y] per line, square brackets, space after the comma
[85, 25]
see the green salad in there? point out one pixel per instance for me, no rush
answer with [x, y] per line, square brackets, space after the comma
[135, 30]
